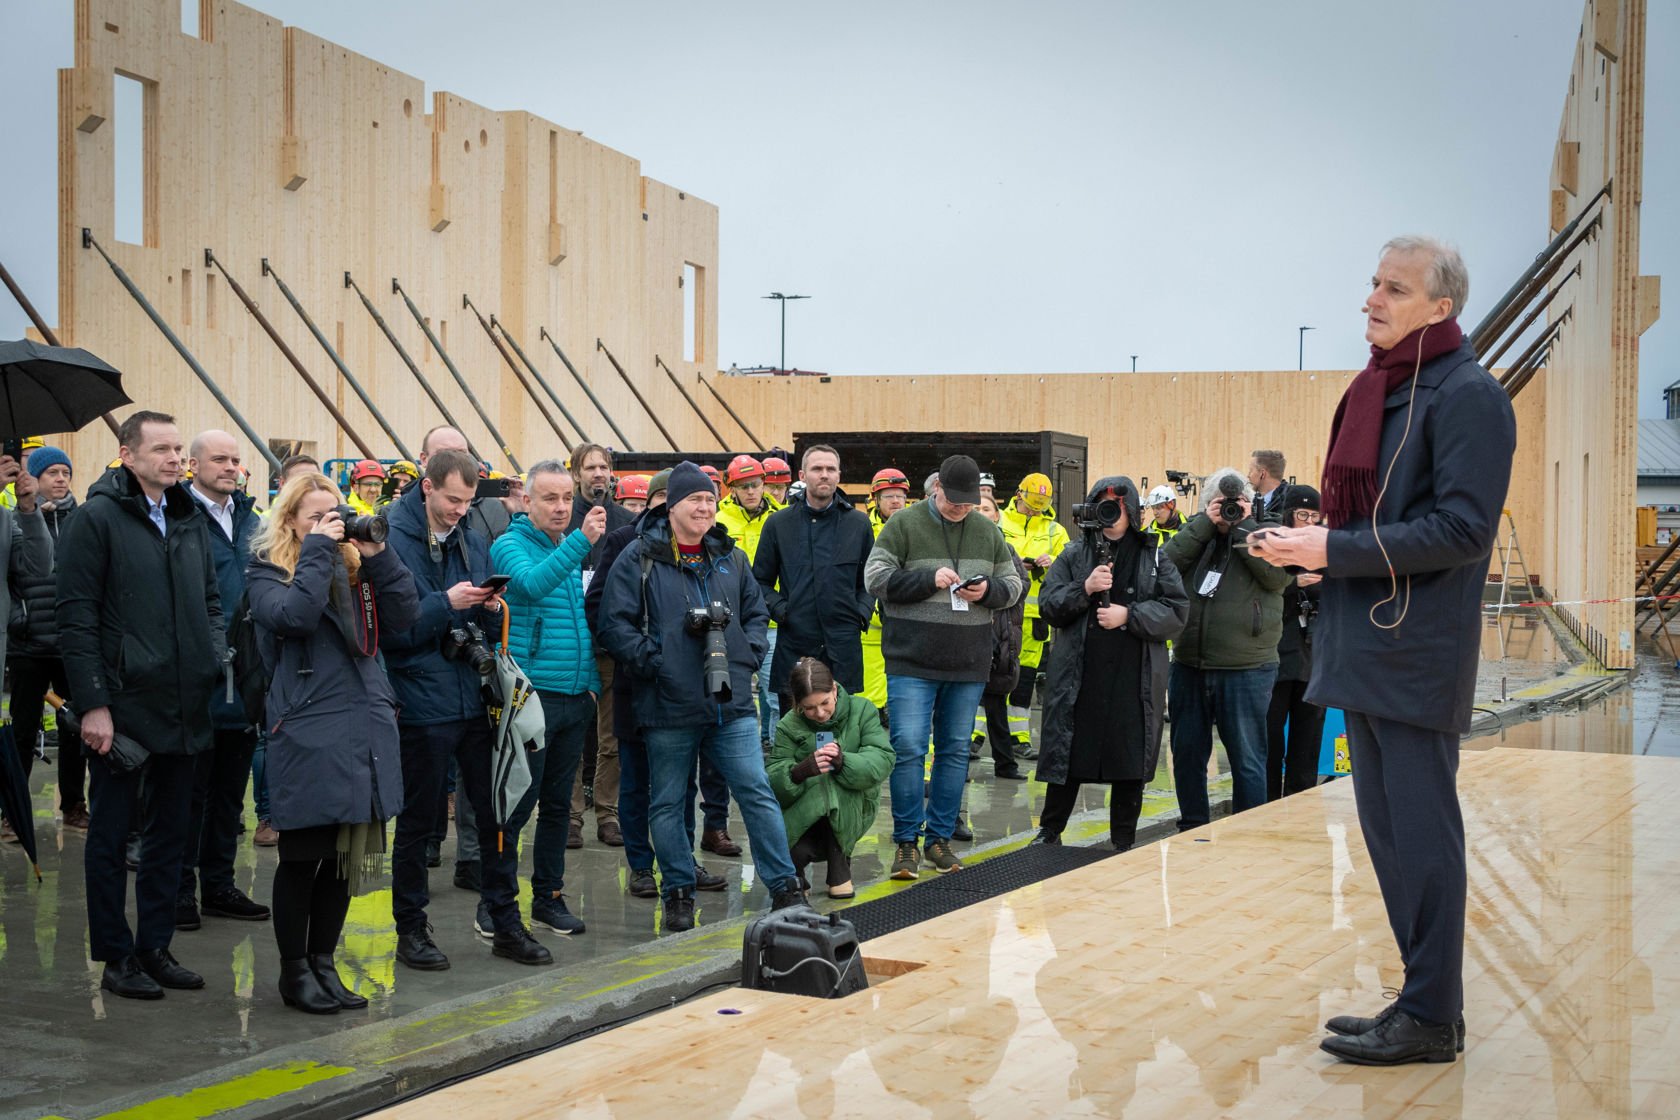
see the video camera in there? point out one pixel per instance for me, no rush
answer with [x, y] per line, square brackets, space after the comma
[710, 622]
[1229, 502]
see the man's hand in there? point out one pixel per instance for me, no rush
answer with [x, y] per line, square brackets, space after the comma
[1112, 616]
[10, 468]
[26, 485]
[493, 604]
[1100, 579]
[976, 593]
[945, 577]
[97, 730]
[594, 524]
[1305, 547]
[465, 595]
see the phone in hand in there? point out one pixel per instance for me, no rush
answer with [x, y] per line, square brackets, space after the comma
[494, 584]
[494, 487]
[13, 446]
[824, 739]
[972, 581]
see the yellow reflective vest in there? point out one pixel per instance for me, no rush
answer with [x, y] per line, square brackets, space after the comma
[874, 662]
[746, 527]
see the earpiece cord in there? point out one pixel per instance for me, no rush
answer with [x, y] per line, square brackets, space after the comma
[1394, 590]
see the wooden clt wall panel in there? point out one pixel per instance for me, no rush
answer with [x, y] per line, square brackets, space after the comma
[268, 142]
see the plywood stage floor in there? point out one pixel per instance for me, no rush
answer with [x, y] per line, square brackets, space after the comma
[1192, 978]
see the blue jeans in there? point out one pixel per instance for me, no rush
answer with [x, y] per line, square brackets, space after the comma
[733, 748]
[768, 711]
[1236, 700]
[633, 802]
[553, 770]
[916, 707]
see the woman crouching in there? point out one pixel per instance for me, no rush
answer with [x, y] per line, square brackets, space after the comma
[1106, 673]
[334, 773]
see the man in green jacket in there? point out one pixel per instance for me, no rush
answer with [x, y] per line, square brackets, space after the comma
[1225, 662]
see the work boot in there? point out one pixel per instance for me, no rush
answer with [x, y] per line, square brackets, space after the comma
[417, 950]
[321, 964]
[717, 841]
[705, 881]
[518, 945]
[679, 911]
[301, 988]
[642, 884]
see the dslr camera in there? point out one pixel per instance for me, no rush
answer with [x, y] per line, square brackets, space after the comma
[1099, 514]
[1228, 506]
[466, 643]
[373, 529]
[709, 622]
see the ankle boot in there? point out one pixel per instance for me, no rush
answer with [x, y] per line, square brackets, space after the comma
[300, 989]
[321, 964]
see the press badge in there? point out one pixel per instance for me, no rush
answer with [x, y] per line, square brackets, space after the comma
[588, 574]
[1210, 584]
[957, 603]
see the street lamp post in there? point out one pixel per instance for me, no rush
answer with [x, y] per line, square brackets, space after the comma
[1301, 346]
[1134, 363]
[778, 296]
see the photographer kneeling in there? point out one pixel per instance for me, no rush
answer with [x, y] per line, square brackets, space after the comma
[1115, 600]
[319, 591]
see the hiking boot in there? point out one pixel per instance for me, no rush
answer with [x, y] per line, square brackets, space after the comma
[906, 860]
[705, 881]
[938, 852]
[518, 945]
[265, 836]
[790, 895]
[417, 950]
[551, 913]
[642, 884]
[679, 911]
[717, 841]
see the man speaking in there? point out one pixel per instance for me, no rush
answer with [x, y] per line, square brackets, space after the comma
[1419, 460]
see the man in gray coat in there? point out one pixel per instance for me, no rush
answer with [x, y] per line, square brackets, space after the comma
[1414, 482]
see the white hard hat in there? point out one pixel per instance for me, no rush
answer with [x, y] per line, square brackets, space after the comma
[1159, 496]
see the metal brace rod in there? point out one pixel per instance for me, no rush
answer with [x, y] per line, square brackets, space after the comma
[602, 347]
[717, 435]
[449, 364]
[467, 304]
[542, 332]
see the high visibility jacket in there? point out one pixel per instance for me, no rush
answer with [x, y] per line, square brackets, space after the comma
[1159, 534]
[874, 663]
[355, 502]
[1032, 536]
[746, 527]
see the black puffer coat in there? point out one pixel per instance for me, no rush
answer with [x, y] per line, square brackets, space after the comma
[34, 622]
[1006, 643]
[1158, 612]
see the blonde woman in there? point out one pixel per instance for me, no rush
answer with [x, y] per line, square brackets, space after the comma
[334, 775]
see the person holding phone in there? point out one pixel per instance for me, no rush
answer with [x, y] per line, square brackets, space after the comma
[335, 777]
[827, 765]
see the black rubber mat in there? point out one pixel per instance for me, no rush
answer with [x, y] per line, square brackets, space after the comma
[935, 894]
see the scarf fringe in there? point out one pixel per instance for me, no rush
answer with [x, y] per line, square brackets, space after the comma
[361, 854]
[1347, 490]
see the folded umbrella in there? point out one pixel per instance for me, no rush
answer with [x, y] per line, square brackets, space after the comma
[516, 714]
[125, 754]
[14, 798]
[54, 388]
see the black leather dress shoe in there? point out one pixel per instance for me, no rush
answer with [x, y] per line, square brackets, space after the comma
[301, 988]
[1397, 1040]
[417, 950]
[1354, 1024]
[166, 970]
[127, 979]
[321, 964]
[518, 945]
[234, 903]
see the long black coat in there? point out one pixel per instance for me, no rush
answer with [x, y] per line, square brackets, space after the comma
[1438, 521]
[810, 567]
[333, 754]
[140, 614]
[1158, 614]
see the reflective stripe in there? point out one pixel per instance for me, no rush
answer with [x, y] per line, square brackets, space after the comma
[980, 723]
[1020, 724]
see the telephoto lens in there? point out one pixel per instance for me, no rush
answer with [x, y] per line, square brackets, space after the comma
[370, 528]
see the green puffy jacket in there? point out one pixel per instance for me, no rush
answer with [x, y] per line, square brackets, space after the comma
[848, 796]
[1239, 627]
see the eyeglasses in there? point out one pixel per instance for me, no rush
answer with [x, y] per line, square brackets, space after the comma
[1308, 516]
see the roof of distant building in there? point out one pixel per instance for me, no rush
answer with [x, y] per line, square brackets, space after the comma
[1659, 449]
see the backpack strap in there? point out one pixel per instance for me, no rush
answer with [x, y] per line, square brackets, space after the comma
[647, 567]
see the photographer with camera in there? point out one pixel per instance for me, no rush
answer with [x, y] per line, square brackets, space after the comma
[1292, 760]
[682, 614]
[1225, 662]
[437, 668]
[1029, 525]
[1115, 600]
[321, 586]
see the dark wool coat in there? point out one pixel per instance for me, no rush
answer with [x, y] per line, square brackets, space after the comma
[1158, 614]
[810, 568]
[140, 615]
[1438, 521]
[333, 754]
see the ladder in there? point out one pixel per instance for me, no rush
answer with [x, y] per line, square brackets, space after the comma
[1509, 549]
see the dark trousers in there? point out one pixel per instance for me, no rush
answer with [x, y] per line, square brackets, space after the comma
[1405, 783]
[820, 845]
[553, 770]
[31, 677]
[996, 707]
[426, 751]
[1125, 803]
[1292, 759]
[714, 797]
[635, 804]
[218, 801]
[162, 801]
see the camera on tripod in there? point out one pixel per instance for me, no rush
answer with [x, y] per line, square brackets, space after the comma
[466, 643]
[709, 622]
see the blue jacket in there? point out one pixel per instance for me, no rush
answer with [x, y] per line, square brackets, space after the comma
[547, 633]
[665, 662]
[231, 557]
[431, 688]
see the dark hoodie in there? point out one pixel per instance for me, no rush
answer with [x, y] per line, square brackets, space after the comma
[140, 614]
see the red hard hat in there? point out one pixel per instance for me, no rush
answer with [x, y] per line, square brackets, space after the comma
[367, 468]
[742, 468]
[633, 486]
[888, 478]
[714, 474]
[777, 472]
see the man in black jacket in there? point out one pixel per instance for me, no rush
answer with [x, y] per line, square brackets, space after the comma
[810, 568]
[32, 654]
[140, 627]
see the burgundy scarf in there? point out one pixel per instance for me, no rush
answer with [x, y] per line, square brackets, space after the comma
[1350, 469]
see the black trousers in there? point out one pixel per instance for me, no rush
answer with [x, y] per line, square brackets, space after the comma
[31, 677]
[160, 793]
[1125, 803]
[1292, 763]
[1405, 783]
[218, 801]
[996, 707]
[426, 751]
[820, 845]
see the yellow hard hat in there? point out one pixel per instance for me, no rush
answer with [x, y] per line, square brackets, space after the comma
[1035, 491]
[33, 443]
[403, 466]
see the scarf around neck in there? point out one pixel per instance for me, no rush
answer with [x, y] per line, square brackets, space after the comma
[1350, 469]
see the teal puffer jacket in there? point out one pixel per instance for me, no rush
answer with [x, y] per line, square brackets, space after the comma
[547, 633]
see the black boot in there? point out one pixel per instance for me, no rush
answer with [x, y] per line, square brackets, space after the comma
[321, 964]
[417, 950]
[679, 911]
[300, 988]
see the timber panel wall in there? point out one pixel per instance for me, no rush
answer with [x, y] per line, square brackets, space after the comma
[271, 142]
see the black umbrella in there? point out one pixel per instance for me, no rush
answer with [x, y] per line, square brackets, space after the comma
[125, 754]
[53, 388]
[14, 798]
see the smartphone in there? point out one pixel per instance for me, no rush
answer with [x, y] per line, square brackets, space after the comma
[824, 739]
[13, 447]
[494, 583]
[494, 487]
[972, 581]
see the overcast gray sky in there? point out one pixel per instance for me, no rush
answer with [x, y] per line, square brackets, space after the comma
[977, 187]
